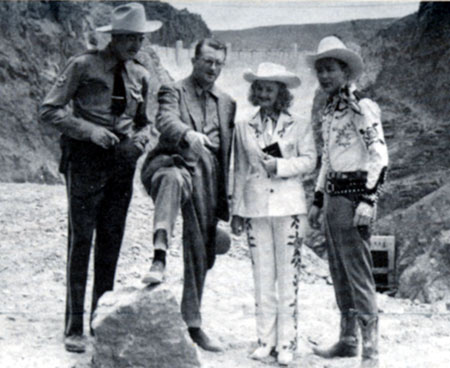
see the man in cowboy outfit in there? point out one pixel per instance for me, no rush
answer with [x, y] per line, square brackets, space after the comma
[188, 171]
[354, 162]
[102, 137]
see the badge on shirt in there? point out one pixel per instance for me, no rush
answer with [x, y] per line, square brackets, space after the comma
[61, 80]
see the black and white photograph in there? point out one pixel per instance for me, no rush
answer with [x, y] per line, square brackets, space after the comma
[224, 184]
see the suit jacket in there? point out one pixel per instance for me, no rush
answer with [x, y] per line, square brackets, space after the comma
[180, 111]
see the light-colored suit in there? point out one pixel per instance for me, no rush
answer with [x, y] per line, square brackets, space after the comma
[177, 178]
[274, 208]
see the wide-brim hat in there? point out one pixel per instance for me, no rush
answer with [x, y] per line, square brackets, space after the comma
[223, 241]
[333, 47]
[130, 18]
[273, 72]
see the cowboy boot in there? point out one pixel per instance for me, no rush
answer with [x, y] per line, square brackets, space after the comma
[347, 346]
[369, 332]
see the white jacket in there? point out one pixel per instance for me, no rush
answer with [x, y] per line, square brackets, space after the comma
[257, 194]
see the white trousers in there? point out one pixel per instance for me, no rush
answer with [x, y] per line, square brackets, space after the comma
[275, 248]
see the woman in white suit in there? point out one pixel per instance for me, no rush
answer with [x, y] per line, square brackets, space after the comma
[272, 151]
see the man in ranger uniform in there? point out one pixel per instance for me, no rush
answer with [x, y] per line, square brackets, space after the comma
[102, 137]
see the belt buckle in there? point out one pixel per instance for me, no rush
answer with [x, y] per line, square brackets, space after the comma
[330, 187]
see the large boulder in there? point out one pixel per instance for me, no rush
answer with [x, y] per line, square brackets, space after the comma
[141, 328]
[423, 246]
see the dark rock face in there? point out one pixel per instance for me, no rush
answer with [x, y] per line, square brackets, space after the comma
[177, 24]
[415, 57]
[409, 76]
[423, 246]
[36, 39]
[141, 328]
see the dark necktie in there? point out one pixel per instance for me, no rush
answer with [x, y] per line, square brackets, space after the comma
[203, 102]
[119, 99]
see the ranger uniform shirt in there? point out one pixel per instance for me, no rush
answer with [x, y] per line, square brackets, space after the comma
[88, 81]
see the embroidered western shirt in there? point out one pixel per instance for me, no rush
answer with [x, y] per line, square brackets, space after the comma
[353, 139]
[255, 192]
[87, 81]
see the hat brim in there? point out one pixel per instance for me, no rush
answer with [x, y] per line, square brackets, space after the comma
[291, 81]
[150, 26]
[351, 58]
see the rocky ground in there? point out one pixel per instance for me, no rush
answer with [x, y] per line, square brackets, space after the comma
[32, 279]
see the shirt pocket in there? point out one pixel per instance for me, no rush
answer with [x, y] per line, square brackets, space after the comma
[134, 100]
[94, 93]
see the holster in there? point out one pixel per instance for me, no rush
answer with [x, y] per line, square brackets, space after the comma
[65, 154]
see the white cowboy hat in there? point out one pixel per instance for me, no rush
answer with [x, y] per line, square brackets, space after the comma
[130, 18]
[333, 47]
[273, 72]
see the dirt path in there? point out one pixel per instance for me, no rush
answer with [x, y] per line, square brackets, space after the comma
[32, 279]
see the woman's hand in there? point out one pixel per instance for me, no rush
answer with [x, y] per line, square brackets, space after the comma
[237, 225]
[270, 164]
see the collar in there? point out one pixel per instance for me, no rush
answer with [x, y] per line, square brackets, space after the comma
[199, 90]
[110, 59]
[284, 121]
[274, 116]
[257, 113]
[281, 117]
[344, 99]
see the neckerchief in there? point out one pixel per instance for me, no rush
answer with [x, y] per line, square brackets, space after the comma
[344, 99]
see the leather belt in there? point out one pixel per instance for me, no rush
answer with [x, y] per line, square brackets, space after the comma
[350, 182]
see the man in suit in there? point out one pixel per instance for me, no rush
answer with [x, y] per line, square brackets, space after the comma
[188, 170]
[102, 138]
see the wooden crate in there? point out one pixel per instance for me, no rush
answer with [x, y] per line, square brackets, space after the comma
[383, 256]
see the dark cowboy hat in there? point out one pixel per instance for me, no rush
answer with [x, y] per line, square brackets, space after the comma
[223, 241]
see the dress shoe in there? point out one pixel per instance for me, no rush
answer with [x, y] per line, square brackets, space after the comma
[155, 275]
[262, 352]
[285, 357]
[202, 340]
[75, 343]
